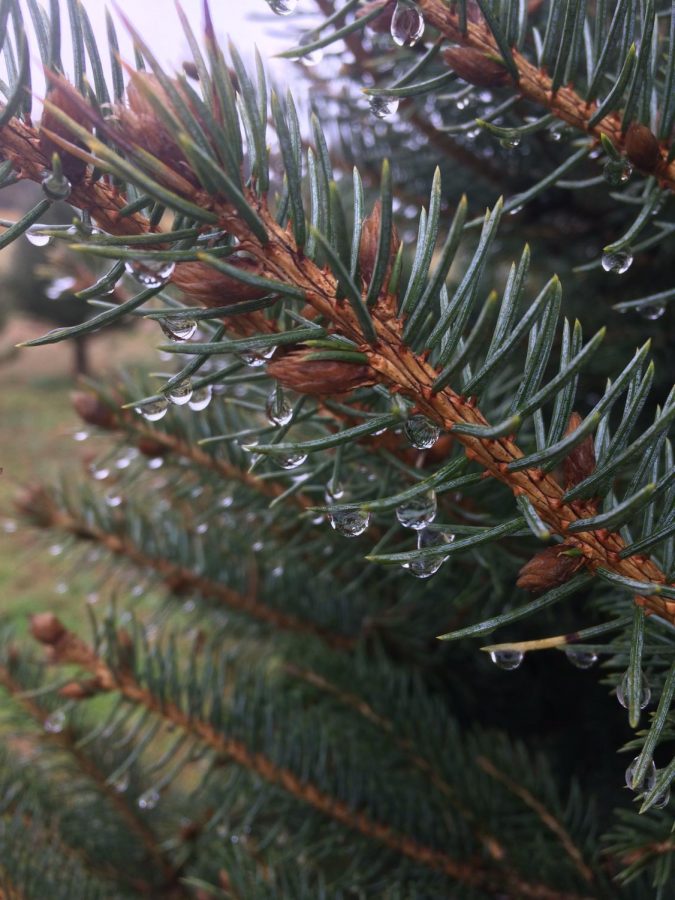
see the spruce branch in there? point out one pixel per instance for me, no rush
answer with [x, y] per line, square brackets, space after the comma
[65, 647]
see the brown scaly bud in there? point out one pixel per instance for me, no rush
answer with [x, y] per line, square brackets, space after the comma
[549, 568]
[79, 690]
[152, 448]
[318, 377]
[213, 288]
[92, 410]
[59, 96]
[370, 237]
[46, 628]
[475, 67]
[642, 147]
[382, 23]
[580, 461]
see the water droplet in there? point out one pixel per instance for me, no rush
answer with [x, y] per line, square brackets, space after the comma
[58, 287]
[617, 261]
[622, 692]
[648, 780]
[37, 240]
[113, 500]
[282, 7]
[421, 432]
[652, 312]
[178, 328]
[202, 528]
[582, 659]
[507, 659]
[180, 394]
[100, 473]
[80, 435]
[383, 107]
[200, 398]
[92, 598]
[334, 492]
[418, 512]
[121, 784]
[407, 25]
[56, 550]
[55, 722]
[425, 568]
[56, 188]
[149, 799]
[349, 522]
[123, 462]
[662, 799]
[617, 171]
[150, 273]
[9, 526]
[61, 588]
[153, 411]
[510, 141]
[279, 412]
[254, 359]
[155, 463]
[314, 57]
[290, 460]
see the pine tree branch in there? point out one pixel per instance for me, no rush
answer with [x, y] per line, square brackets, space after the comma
[536, 85]
[179, 579]
[68, 648]
[65, 741]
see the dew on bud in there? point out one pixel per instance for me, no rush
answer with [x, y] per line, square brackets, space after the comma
[56, 187]
[153, 411]
[617, 261]
[200, 398]
[648, 779]
[383, 107]
[37, 239]
[421, 432]
[282, 7]
[425, 568]
[349, 522]
[55, 722]
[617, 171]
[149, 799]
[150, 273]
[180, 394]
[652, 312]
[418, 512]
[407, 25]
[582, 659]
[507, 659]
[278, 410]
[623, 691]
[178, 328]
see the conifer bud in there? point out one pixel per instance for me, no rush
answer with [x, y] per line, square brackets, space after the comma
[92, 410]
[580, 461]
[475, 67]
[214, 288]
[152, 448]
[382, 23]
[318, 376]
[370, 238]
[46, 628]
[73, 167]
[642, 147]
[549, 568]
[79, 690]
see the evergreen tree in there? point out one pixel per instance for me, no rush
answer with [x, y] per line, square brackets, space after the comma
[368, 442]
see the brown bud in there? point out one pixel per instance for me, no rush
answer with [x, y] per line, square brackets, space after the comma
[318, 376]
[80, 690]
[61, 97]
[46, 628]
[642, 147]
[475, 67]
[382, 23]
[370, 238]
[150, 447]
[549, 568]
[92, 410]
[35, 504]
[213, 288]
[580, 461]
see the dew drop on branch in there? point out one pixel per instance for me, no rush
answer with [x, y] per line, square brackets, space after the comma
[425, 568]
[383, 107]
[289, 460]
[510, 141]
[617, 261]
[407, 25]
[56, 188]
[37, 239]
[149, 799]
[421, 432]
[200, 398]
[617, 171]
[349, 522]
[255, 359]
[178, 328]
[623, 691]
[278, 410]
[150, 273]
[648, 779]
[582, 659]
[418, 512]
[652, 313]
[121, 784]
[507, 659]
[282, 7]
[55, 722]
[153, 411]
[661, 800]
[180, 394]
